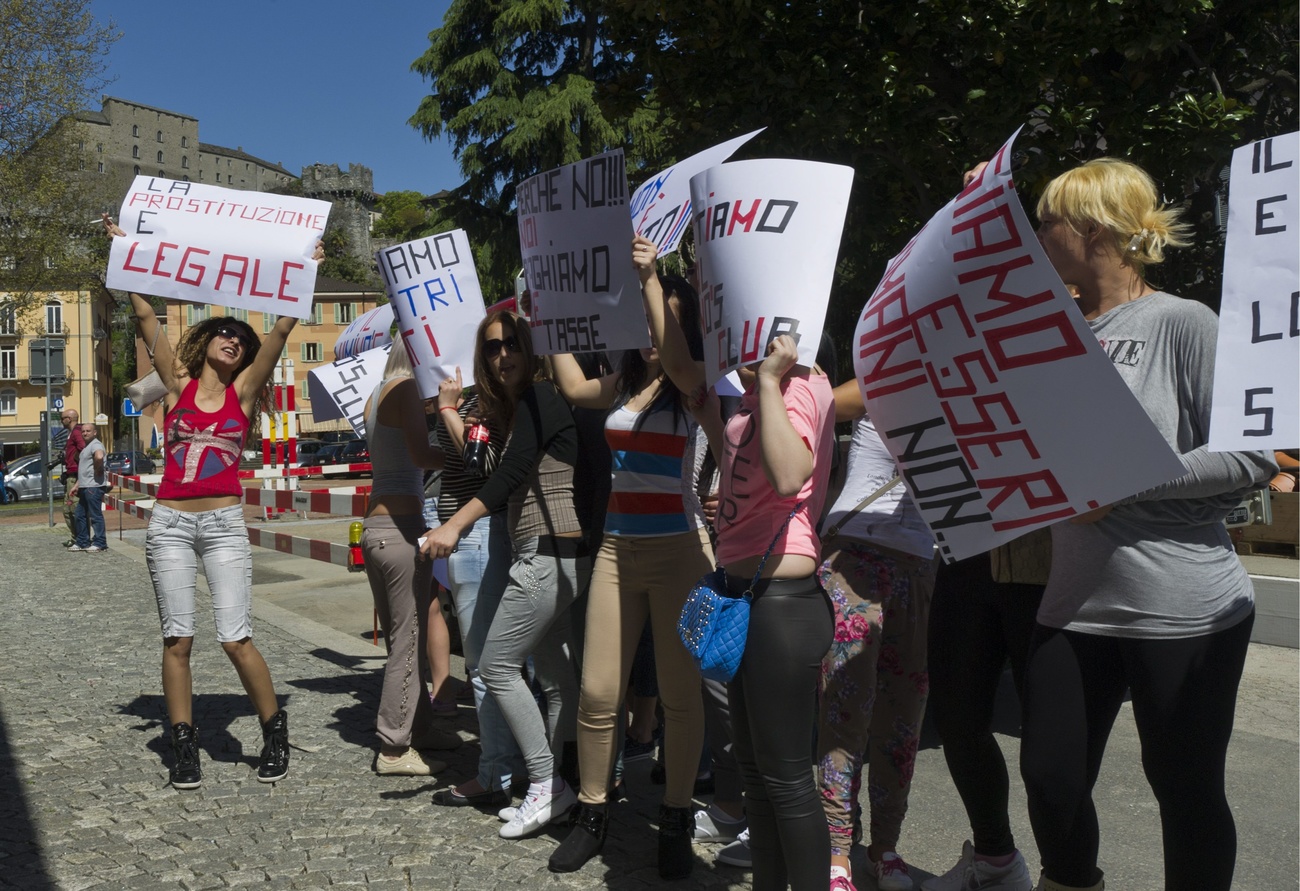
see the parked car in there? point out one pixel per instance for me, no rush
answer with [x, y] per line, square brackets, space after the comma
[23, 479]
[129, 463]
[327, 454]
[355, 452]
[307, 448]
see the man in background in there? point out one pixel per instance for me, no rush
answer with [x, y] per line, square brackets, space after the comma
[70, 440]
[91, 480]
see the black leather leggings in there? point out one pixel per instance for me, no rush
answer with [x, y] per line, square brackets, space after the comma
[773, 712]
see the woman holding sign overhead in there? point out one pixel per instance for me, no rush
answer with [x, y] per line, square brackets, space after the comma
[1146, 594]
[654, 548]
[214, 381]
[535, 481]
[775, 466]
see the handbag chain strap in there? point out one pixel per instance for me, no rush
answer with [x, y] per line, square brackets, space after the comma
[844, 520]
[156, 331]
[749, 592]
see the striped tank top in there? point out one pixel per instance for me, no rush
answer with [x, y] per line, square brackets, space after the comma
[654, 471]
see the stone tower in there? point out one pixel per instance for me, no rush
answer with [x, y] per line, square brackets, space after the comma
[352, 194]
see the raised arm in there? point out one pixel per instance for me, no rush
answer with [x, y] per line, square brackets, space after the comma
[577, 389]
[150, 329]
[848, 401]
[674, 353]
[787, 458]
[252, 379]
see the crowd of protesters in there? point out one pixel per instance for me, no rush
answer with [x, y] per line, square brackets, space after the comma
[854, 623]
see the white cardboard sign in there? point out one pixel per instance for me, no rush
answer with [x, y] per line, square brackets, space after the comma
[1257, 364]
[340, 389]
[661, 207]
[767, 234]
[989, 388]
[434, 289]
[205, 244]
[575, 235]
[368, 331]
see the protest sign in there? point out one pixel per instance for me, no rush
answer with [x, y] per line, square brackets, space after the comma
[434, 289]
[340, 389]
[205, 244]
[575, 235]
[661, 207]
[989, 388]
[1257, 366]
[368, 331]
[766, 235]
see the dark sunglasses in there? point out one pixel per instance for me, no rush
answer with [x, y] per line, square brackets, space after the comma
[493, 347]
[232, 333]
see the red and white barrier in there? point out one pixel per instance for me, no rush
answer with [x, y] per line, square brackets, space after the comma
[276, 472]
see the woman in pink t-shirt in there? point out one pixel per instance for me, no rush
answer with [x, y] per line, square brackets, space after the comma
[775, 465]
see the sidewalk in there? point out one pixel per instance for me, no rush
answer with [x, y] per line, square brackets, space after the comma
[84, 801]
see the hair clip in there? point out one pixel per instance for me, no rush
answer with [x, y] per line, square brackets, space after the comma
[1135, 243]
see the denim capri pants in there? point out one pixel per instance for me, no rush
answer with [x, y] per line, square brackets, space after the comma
[175, 542]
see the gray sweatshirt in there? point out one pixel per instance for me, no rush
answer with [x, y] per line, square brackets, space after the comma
[1160, 564]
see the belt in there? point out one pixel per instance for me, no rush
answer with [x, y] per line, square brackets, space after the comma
[556, 546]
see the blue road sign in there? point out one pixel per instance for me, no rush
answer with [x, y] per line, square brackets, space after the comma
[129, 410]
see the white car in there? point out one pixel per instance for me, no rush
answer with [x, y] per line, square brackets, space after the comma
[23, 479]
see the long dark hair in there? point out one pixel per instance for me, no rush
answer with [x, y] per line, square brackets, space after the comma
[633, 370]
[492, 396]
[192, 351]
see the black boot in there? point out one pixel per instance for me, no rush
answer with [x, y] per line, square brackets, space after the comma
[274, 763]
[186, 773]
[676, 827]
[584, 841]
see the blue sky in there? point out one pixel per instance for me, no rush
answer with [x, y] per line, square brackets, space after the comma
[290, 81]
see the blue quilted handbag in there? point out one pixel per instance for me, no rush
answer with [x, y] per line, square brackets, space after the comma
[715, 623]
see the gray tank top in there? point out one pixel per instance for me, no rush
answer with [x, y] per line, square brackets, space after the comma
[392, 470]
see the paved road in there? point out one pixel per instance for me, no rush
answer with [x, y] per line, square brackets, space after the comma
[83, 763]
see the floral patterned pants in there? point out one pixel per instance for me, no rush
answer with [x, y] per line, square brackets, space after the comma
[874, 684]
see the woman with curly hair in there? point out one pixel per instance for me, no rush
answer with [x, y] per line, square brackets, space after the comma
[215, 380]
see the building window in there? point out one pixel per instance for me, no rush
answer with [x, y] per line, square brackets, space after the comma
[101, 166]
[195, 314]
[49, 263]
[218, 177]
[186, 177]
[344, 313]
[137, 170]
[135, 151]
[317, 314]
[160, 160]
[135, 130]
[8, 318]
[99, 147]
[267, 322]
[241, 314]
[185, 162]
[8, 363]
[160, 173]
[160, 136]
[311, 352]
[8, 402]
[53, 315]
[185, 142]
[82, 164]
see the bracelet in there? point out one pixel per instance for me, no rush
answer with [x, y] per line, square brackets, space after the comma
[449, 408]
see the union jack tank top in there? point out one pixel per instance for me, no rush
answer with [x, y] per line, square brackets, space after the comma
[202, 451]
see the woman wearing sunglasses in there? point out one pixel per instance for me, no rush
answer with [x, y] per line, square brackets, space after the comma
[215, 380]
[550, 567]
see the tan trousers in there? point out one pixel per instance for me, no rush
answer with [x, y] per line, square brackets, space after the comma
[635, 577]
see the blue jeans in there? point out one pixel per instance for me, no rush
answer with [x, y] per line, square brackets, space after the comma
[89, 517]
[477, 571]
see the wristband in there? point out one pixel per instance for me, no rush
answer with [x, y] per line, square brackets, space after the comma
[449, 408]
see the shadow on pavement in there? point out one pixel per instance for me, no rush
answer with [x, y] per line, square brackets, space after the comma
[213, 715]
[20, 852]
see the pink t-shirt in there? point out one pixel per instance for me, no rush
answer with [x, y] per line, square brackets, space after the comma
[749, 510]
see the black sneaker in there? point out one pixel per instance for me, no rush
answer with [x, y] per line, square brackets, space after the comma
[186, 773]
[274, 763]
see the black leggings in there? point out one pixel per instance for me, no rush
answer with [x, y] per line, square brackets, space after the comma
[773, 713]
[975, 625]
[1184, 694]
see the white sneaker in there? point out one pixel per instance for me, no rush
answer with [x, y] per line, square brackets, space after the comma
[712, 828]
[506, 814]
[95, 549]
[76, 547]
[891, 872]
[737, 853]
[538, 810]
[976, 875]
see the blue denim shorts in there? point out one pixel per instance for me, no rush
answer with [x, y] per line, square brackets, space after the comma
[175, 543]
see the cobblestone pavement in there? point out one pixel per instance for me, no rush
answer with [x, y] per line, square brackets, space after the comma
[84, 800]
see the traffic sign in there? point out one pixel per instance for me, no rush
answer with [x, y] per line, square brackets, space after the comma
[58, 403]
[129, 410]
